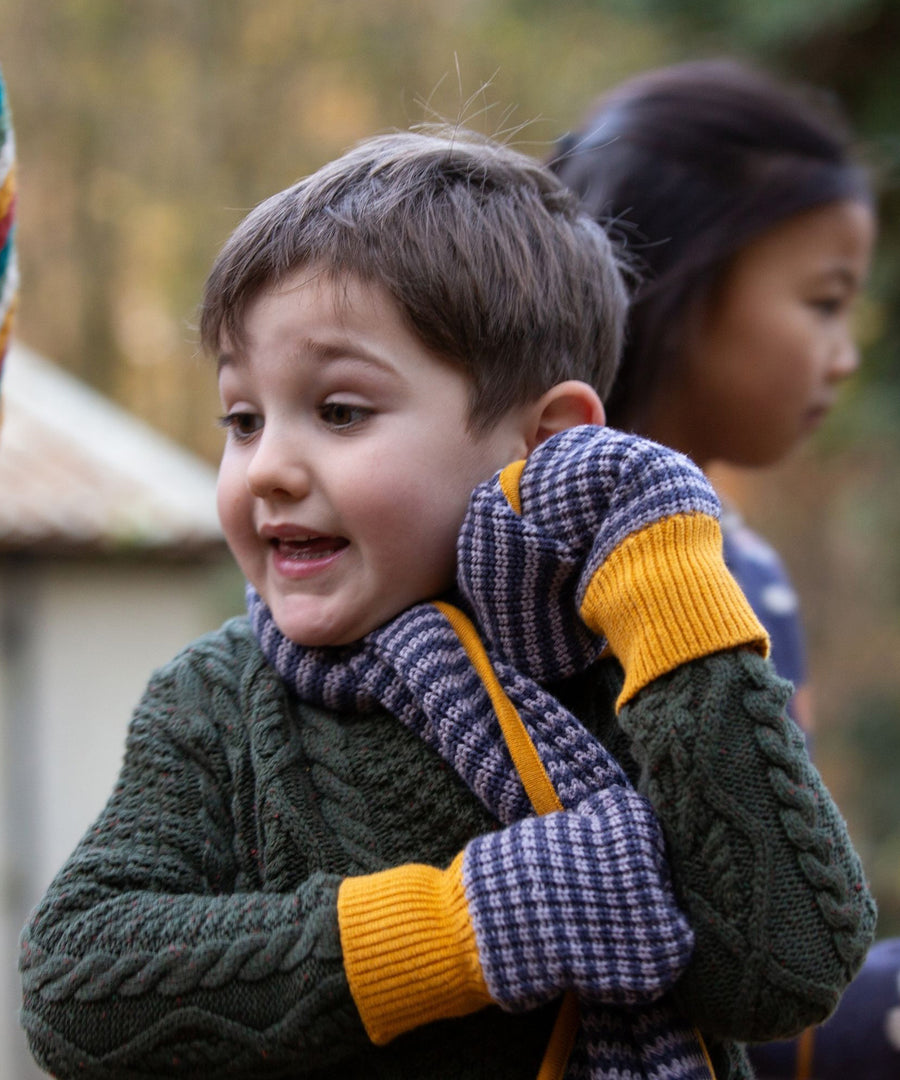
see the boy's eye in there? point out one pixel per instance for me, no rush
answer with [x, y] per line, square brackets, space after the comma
[241, 425]
[341, 414]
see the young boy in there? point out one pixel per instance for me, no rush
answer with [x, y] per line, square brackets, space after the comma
[301, 870]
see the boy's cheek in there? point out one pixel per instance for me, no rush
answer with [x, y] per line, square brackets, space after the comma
[237, 527]
[228, 501]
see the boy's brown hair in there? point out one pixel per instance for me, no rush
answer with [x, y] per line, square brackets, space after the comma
[486, 254]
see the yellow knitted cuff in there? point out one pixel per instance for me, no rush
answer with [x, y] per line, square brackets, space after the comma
[665, 596]
[409, 948]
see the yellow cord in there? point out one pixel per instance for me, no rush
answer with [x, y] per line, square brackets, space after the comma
[805, 1047]
[562, 1039]
[526, 759]
[539, 789]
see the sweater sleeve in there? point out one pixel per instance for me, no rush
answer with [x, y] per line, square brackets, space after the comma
[761, 859]
[156, 950]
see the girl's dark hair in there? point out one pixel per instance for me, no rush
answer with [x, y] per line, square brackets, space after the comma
[686, 165]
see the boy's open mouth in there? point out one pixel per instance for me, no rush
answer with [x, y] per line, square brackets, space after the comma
[316, 547]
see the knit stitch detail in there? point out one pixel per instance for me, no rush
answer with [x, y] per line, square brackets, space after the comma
[664, 1052]
[170, 971]
[528, 765]
[509, 480]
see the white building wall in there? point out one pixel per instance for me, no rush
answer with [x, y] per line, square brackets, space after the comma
[81, 640]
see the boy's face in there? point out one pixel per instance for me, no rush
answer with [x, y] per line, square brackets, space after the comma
[348, 463]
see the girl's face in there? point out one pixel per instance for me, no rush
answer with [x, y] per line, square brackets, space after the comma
[767, 353]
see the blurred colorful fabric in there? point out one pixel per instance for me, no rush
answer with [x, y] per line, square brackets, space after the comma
[9, 277]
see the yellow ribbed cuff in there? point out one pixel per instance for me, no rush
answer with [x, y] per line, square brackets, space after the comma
[409, 948]
[665, 596]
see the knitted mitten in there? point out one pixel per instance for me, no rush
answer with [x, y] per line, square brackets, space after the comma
[571, 900]
[620, 530]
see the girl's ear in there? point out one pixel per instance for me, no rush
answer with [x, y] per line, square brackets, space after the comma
[566, 405]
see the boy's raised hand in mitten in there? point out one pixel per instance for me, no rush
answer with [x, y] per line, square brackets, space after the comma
[613, 528]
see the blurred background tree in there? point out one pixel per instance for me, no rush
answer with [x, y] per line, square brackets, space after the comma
[146, 130]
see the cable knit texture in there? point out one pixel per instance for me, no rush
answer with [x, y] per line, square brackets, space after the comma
[195, 930]
[239, 810]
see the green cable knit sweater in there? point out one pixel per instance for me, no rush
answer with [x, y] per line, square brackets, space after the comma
[194, 929]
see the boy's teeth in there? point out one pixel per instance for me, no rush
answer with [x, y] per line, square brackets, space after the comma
[311, 549]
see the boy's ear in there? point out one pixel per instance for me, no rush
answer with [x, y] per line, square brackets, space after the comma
[566, 405]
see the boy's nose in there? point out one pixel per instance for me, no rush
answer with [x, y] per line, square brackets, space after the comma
[277, 470]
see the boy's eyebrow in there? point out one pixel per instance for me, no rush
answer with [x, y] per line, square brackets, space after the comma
[223, 360]
[324, 351]
[328, 351]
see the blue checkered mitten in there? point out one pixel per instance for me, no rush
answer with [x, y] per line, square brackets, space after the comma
[576, 900]
[571, 900]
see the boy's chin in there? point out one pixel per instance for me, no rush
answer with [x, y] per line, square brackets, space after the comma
[318, 640]
[315, 636]
[321, 638]
[329, 627]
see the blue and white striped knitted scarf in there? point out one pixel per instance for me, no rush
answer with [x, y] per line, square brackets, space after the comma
[416, 668]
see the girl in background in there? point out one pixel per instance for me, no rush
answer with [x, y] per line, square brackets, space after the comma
[749, 224]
